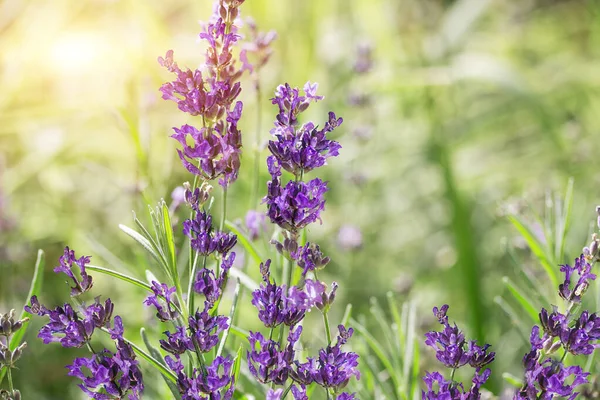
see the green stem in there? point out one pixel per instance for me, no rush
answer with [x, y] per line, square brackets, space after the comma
[9, 376]
[325, 319]
[254, 198]
[452, 374]
[223, 218]
[286, 391]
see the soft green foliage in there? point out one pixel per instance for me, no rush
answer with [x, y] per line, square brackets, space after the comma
[475, 107]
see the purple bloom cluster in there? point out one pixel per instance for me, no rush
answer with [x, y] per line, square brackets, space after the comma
[276, 305]
[297, 149]
[578, 335]
[453, 350]
[204, 239]
[438, 388]
[583, 269]
[210, 92]
[66, 264]
[67, 326]
[212, 383]
[163, 294]
[105, 375]
[109, 376]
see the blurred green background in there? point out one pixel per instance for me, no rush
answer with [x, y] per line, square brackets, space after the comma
[471, 110]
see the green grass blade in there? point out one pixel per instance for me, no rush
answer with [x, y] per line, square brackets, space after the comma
[347, 315]
[521, 298]
[536, 247]
[168, 229]
[514, 318]
[377, 348]
[158, 357]
[565, 219]
[34, 289]
[236, 297]
[123, 277]
[239, 332]
[244, 242]
[245, 280]
[144, 242]
[512, 380]
[237, 363]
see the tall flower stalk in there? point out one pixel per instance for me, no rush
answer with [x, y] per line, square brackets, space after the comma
[292, 206]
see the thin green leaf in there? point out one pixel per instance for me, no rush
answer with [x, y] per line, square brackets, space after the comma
[239, 332]
[377, 348]
[536, 247]
[521, 298]
[144, 242]
[237, 363]
[225, 335]
[410, 345]
[347, 315]
[512, 380]
[118, 275]
[34, 289]
[244, 279]
[566, 218]
[514, 318]
[168, 228]
[158, 356]
[245, 242]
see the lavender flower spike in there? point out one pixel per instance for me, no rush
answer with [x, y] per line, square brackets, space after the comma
[66, 264]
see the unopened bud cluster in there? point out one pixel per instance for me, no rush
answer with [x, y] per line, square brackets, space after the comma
[8, 325]
[10, 395]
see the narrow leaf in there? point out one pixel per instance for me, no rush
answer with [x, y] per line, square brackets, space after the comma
[376, 348]
[244, 279]
[536, 247]
[34, 289]
[156, 354]
[521, 298]
[244, 242]
[168, 228]
[512, 380]
[144, 242]
[118, 275]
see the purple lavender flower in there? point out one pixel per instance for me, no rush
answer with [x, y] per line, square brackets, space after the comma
[65, 325]
[453, 350]
[448, 390]
[275, 306]
[333, 368]
[165, 293]
[274, 394]
[267, 362]
[299, 392]
[300, 149]
[111, 376]
[583, 270]
[349, 237]
[213, 382]
[451, 347]
[205, 329]
[66, 263]
[297, 204]
[310, 258]
[177, 342]
[255, 223]
[202, 237]
[216, 147]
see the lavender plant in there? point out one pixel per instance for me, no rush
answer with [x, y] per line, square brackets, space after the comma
[193, 355]
[297, 149]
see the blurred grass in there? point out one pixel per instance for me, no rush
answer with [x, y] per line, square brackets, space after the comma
[472, 106]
